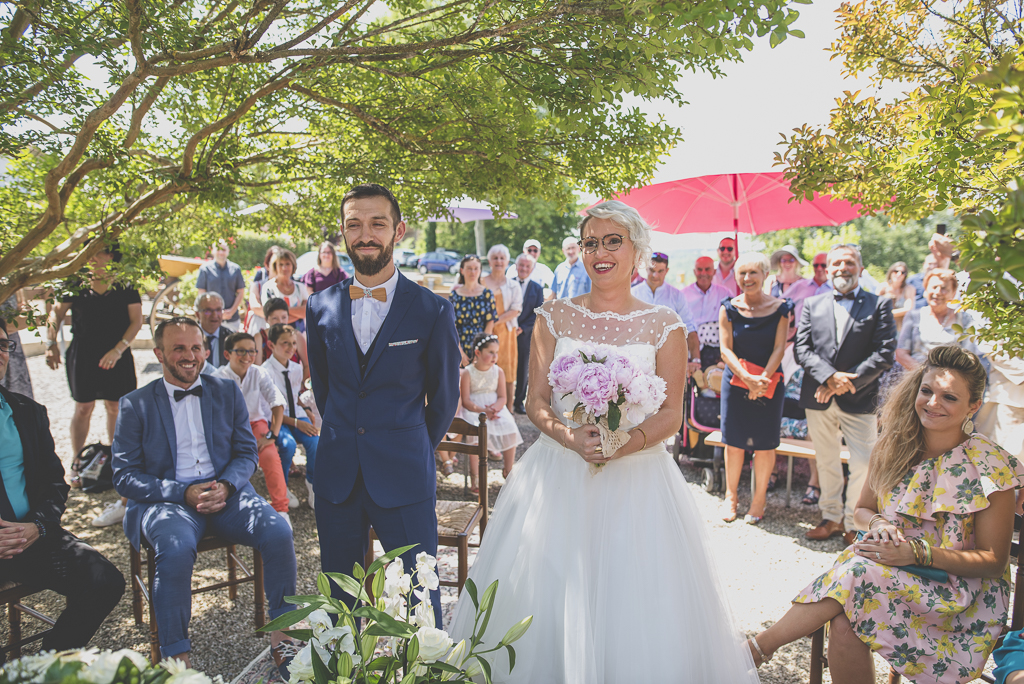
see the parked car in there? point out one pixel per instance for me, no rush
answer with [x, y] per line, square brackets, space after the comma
[308, 261]
[406, 258]
[440, 261]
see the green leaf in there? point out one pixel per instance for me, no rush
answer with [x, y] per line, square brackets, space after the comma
[1007, 290]
[378, 563]
[470, 587]
[394, 627]
[321, 675]
[287, 620]
[614, 416]
[486, 667]
[378, 584]
[299, 634]
[511, 657]
[349, 585]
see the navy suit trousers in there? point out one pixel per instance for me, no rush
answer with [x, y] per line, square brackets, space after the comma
[345, 534]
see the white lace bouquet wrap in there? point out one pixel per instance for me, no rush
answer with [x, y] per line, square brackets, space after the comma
[608, 387]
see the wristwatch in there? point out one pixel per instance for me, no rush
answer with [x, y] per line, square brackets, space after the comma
[269, 435]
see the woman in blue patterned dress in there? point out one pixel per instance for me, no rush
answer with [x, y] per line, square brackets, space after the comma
[474, 305]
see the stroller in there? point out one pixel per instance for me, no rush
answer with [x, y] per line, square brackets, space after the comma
[702, 415]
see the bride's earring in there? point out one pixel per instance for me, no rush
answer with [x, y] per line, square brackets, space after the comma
[968, 426]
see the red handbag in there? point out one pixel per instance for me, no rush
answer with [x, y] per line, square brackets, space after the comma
[754, 369]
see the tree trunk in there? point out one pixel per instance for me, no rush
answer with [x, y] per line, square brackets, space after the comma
[481, 239]
[431, 242]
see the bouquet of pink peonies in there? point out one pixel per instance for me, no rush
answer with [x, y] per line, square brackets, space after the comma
[608, 387]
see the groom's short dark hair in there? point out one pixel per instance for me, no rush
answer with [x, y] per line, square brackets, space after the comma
[365, 190]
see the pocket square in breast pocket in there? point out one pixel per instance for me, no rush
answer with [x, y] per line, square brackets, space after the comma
[402, 343]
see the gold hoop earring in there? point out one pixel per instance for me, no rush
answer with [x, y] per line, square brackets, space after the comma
[968, 426]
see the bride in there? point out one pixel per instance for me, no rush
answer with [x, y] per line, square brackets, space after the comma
[612, 563]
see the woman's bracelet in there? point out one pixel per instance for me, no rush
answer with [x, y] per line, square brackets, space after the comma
[645, 436]
[877, 516]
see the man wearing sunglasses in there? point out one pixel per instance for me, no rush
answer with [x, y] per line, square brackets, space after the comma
[571, 277]
[724, 275]
[820, 266]
[656, 291]
[541, 273]
[33, 545]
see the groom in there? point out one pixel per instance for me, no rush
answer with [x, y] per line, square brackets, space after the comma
[384, 362]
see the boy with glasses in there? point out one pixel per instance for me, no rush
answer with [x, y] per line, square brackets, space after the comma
[265, 404]
[724, 276]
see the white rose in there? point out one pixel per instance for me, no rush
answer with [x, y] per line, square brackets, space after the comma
[102, 668]
[301, 668]
[434, 643]
[423, 614]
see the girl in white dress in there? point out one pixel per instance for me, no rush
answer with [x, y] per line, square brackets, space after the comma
[483, 390]
[611, 562]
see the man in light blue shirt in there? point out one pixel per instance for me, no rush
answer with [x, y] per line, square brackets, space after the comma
[655, 290]
[571, 277]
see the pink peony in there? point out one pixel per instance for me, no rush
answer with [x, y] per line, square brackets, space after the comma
[623, 369]
[595, 388]
[565, 372]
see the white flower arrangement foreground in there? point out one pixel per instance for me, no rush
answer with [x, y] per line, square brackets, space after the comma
[399, 643]
[610, 389]
[91, 666]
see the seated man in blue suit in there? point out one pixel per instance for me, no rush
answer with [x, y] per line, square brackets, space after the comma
[384, 361]
[183, 456]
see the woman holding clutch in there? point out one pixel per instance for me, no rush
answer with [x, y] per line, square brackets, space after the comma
[928, 585]
[752, 330]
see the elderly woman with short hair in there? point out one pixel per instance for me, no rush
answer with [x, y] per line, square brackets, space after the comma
[932, 326]
[508, 302]
[753, 328]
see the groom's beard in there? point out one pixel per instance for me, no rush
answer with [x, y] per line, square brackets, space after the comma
[370, 266]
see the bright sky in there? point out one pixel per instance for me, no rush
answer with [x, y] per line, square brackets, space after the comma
[732, 124]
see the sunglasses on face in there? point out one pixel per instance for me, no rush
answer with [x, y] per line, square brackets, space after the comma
[900, 272]
[660, 255]
[610, 242]
[8, 345]
[819, 266]
[725, 249]
[788, 260]
[533, 250]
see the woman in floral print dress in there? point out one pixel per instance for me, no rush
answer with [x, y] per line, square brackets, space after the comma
[932, 479]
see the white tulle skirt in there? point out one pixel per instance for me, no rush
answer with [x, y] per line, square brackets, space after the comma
[615, 569]
[502, 432]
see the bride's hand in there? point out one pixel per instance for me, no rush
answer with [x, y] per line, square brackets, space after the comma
[586, 441]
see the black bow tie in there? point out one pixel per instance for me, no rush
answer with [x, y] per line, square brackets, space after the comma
[840, 296]
[196, 391]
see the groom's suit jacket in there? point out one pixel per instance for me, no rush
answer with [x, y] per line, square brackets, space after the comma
[386, 423]
[866, 347]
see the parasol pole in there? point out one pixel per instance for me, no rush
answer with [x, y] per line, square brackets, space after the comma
[736, 212]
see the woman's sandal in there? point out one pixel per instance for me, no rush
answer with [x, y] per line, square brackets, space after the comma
[752, 519]
[811, 496]
[758, 652]
[728, 512]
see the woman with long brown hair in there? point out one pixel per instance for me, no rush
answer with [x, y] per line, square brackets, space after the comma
[927, 586]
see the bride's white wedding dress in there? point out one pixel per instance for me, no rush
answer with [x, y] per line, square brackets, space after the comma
[613, 566]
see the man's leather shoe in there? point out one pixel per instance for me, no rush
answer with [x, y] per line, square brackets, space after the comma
[825, 530]
[849, 537]
[520, 410]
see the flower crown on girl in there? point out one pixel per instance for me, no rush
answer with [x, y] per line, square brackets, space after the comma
[483, 340]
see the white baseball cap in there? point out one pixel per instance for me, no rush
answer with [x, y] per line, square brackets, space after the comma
[531, 243]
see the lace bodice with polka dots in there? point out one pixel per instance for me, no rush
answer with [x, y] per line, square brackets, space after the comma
[651, 326]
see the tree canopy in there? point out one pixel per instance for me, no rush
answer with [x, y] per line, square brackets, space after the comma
[952, 140]
[204, 107]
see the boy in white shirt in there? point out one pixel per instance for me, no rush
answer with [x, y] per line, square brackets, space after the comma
[266, 405]
[297, 428]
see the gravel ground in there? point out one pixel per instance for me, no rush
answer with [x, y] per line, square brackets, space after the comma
[762, 566]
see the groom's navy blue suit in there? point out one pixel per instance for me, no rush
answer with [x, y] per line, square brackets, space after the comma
[384, 412]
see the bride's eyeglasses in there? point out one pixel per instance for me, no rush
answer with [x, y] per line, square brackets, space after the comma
[610, 242]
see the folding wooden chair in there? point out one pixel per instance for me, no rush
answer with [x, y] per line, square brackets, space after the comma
[11, 593]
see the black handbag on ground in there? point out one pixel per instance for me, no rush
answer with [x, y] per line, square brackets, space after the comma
[95, 470]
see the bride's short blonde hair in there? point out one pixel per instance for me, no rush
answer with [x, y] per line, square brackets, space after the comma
[630, 219]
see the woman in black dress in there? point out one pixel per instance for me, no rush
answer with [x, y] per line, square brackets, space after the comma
[105, 318]
[753, 329]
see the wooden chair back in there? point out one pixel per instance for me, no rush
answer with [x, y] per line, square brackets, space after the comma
[467, 429]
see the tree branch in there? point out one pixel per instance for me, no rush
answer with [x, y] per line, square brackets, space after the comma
[140, 112]
[134, 8]
[318, 27]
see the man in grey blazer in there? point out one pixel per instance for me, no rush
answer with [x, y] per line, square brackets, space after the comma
[183, 456]
[845, 341]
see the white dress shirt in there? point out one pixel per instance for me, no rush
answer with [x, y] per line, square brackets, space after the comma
[193, 463]
[669, 296]
[259, 390]
[842, 308]
[277, 373]
[540, 274]
[368, 314]
[705, 306]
